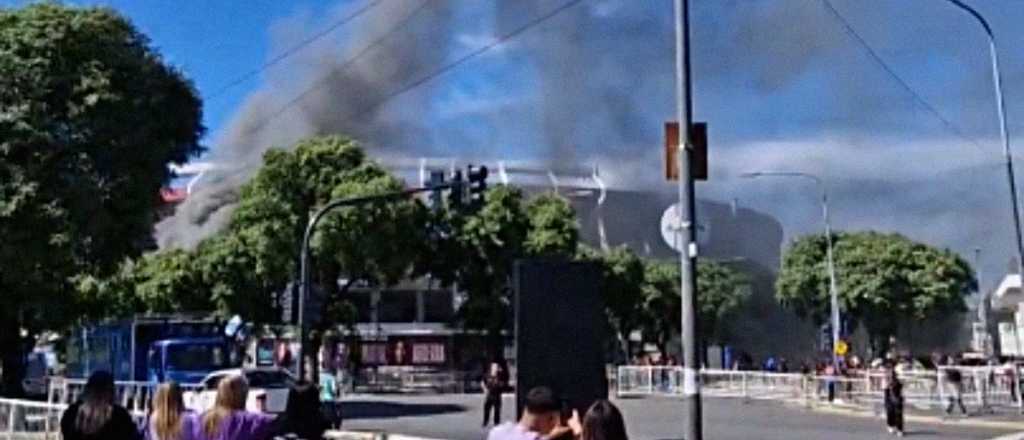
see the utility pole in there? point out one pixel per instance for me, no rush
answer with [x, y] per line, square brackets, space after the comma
[687, 208]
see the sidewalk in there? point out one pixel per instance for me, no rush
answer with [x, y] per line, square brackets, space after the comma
[998, 420]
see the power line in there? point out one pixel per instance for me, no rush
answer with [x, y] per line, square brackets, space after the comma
[878, 60]
[345, 65]
[292, 50]
[436, 73]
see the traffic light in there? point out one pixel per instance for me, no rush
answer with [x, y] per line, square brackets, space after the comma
[437, 195]
[456, 194]
[477, 177]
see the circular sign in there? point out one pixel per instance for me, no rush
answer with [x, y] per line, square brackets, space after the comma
[842, 348]
[671, 229]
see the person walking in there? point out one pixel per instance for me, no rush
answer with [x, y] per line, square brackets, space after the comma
[95, 416]
[168, 419]
[330, 394]
[954, 387]
[894, 403]
[493, 384]
[302, 416]
[228, 419]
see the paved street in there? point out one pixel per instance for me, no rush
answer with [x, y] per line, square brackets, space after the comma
[458, 417]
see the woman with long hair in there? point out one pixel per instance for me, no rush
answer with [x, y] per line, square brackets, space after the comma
[302, 415]
[603, 421]
[95, 416]
[169, 420]
[228, 419]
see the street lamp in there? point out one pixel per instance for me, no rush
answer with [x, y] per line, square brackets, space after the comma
[833, 290]
[1001, 110]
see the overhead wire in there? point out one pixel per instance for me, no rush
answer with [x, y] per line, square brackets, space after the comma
[430, 76]
[888, 69]
[219, 91]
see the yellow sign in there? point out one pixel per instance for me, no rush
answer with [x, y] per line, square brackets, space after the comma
[842, 348]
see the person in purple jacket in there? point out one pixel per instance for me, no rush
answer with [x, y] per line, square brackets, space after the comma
[228, 420]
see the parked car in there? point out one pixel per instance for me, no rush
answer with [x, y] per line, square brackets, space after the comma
[268, 389]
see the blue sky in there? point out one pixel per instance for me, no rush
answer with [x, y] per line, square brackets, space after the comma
[781, 82]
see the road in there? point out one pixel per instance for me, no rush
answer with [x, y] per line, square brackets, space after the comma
[458, 417]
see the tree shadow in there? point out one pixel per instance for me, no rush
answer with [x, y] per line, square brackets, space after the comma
[356, 410]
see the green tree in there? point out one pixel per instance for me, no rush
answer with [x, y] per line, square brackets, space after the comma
[481, 248]
[721, 293]
[554, 230]
[884, 280]
[623, 276]
[91, 117]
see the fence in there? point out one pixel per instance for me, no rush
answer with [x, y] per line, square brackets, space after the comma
[981, 388]
[27, 420]
[134, 396]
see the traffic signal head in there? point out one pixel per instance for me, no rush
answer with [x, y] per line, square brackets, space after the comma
[437, 193]
[457, 189]
[477, 177]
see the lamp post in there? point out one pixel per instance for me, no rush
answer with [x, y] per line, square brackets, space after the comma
[1001, 111]
[833, 290]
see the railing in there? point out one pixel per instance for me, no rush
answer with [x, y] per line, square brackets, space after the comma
[22, 419]
[981, 388]
[136, 397]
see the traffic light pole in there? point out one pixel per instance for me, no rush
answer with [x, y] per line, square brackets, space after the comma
[688, 252]
[304, 285]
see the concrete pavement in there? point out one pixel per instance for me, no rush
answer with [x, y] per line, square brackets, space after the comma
[458, 417]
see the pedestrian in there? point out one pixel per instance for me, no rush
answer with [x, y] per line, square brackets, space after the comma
[603, 421]
[95, 416]
[168, 419]
[329, 395]
[541, 419]
[302, 416]
[228, 419]
[954, 387]
[894, 403]
[493, 384]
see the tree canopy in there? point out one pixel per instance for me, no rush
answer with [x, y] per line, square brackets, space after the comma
[90, 115]
[883, 280]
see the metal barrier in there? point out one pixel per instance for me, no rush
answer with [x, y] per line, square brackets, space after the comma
[136, 397]
[24, 420]
[981, 388]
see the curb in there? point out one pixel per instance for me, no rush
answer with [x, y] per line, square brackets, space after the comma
[932, 420]
[369, 435]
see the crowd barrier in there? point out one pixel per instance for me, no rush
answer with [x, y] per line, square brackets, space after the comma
[136, 397]
[28, 420]
[981, 388]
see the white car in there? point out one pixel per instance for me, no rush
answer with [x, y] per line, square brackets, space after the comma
[268, 389]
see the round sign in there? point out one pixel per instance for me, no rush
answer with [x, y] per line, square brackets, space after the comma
[842, 347]
[671, 229]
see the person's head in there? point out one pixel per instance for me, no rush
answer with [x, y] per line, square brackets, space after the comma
[167, 408]
[603, 421]
[97, 404]
[495, 368]
[232, 392]
[542, 412]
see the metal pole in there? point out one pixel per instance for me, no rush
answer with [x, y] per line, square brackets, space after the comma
[834, 311]
[1003, 130]
[833, 290]
[304, 257]
[688, 253]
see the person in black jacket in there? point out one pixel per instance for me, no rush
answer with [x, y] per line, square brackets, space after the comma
[894, 403]
[95, 416]
[302, 415]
